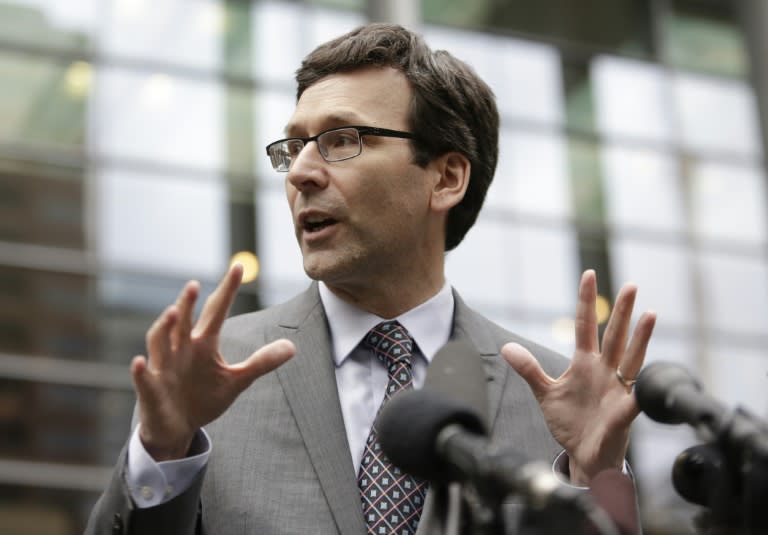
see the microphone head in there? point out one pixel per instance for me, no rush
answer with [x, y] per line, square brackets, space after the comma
[409, 424]
[697, 473]
[655, 386]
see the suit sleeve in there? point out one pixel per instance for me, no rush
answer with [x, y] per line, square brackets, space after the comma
[116, 514]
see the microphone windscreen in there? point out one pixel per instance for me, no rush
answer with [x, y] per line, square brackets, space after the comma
[697, 473]
[655, 387]
[457, 372]
[409, 424]
[614, 492]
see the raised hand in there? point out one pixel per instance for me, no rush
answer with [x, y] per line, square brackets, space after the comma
[186, 383]
[589, 408]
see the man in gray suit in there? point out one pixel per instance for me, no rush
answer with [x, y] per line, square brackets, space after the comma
[388, 156]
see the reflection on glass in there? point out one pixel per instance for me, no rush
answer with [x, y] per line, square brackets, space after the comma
[642, 188]
[282, 272]
[734, 293]
[705, 38]
[37, 106]
[631, 99]
[57, 24]
[728, 202]
[737, 373]
[524, 75]
[177, 32]
[532, 174]
[662, 272]
[162, 222]
[160, 118]
[717, 115]
[616, 25]
[517, 269]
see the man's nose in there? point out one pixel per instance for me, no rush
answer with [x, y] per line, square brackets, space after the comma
[308, 169]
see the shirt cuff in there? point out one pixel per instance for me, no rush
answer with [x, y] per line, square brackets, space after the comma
[153, 483]
[563, 474]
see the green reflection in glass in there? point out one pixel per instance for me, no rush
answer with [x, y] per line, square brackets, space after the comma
[459, 13]
[579, 101]
[343, 4]
[586, 181]
[42, 101]
[613, 25]
[706, 42]
[238, 55]
[33, 25]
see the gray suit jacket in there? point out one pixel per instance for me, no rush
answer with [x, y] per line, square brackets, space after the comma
[280, 461]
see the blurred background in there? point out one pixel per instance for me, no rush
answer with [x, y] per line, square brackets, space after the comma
[132, 138]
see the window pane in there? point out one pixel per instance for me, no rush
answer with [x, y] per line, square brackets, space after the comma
[737, 375]
[59, 24]
[525, 76]
[728, 202]
[735, 293]
[705, 38]
[162, 222]
[630, 99]
[662, 274]
[642, 188]
[282, 268]
[522, 266]
[180, 32]
[146, 116]
[617, 25]
[43, 206]
[532, 175]
[43, 101]
[717, 115]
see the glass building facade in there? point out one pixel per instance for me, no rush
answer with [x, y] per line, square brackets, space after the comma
[132, 159]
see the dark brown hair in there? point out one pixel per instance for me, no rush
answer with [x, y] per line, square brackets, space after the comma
[453, 109]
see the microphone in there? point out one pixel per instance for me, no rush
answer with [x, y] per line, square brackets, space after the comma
[669, 394]
[697, 472]
[439, 433]
[435, 437]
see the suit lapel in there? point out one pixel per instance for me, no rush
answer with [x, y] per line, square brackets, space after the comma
[309, 383]
[470, 327]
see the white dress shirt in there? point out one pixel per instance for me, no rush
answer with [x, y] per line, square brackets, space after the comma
[360, 378]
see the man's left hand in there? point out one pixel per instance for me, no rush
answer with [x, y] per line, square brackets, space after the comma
[588, 408]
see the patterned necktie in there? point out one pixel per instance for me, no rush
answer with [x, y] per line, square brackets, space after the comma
[392, 500]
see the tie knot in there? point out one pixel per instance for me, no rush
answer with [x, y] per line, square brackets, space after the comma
[391, 343]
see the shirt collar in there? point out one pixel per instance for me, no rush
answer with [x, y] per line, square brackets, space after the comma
[429, 323]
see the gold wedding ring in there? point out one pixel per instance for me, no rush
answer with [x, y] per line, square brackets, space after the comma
[628, 383]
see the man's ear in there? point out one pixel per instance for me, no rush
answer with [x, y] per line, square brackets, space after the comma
[451, 180]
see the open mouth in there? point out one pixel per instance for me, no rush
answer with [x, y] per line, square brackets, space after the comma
[316, 226]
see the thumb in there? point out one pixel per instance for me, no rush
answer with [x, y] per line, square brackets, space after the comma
[525, 364]
[264, 360]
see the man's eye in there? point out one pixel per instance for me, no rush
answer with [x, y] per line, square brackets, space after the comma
[342, 139]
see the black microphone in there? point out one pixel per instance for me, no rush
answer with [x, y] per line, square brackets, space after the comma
[669, 394]
[433, 436]
[697, 472]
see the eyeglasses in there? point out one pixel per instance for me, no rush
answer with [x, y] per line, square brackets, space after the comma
[335, 145]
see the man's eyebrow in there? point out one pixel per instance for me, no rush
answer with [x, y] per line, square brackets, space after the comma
[329, 121]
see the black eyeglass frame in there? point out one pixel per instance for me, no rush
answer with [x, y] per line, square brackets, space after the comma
[361, 131]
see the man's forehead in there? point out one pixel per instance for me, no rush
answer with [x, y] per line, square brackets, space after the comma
[368, 96]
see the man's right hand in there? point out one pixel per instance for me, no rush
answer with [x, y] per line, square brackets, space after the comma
[186, 383]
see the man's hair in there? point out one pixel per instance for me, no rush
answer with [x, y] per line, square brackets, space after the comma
[452, 109]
